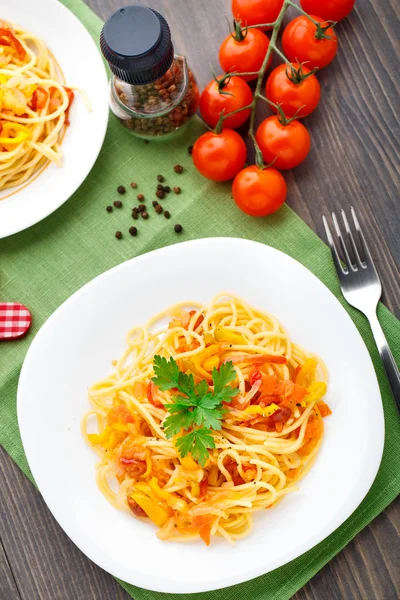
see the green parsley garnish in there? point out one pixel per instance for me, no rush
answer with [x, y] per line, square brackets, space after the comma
[195, 409]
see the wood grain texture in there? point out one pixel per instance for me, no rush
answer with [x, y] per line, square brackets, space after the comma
[354, 161]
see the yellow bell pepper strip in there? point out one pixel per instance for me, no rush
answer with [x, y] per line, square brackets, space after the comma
[223, 334]
[266, 411]
[158, 514]
[188, 463]
[153, 483]
[108, 439]
[173, 501]
[211, 363]
[316, 391]
[307, 372]
[209, 339]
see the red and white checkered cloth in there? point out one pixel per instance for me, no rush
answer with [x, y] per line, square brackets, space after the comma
[15, 320]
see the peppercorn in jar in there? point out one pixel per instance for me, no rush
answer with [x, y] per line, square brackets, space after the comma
[152, 91]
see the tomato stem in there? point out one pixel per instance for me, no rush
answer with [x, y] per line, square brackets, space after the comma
[218, 127]
[303, 12]
[296, 75]
[238, 33]
[233, 112]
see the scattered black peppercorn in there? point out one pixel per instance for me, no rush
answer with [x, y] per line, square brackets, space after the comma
[117, 204]
[133, 184]
[141, 208]
[159, 209]
[135, 215]
[121, 189]
[178, 169]
[133, 231]
[160, 186]
[160, 178]
[145, 215]
[109, 208]
[190, 149]
[166, 189]
[178, 228]
[160, 194]
[118, 235]
[155, 203]
[140, 197]
[167, 214]
[177, 190]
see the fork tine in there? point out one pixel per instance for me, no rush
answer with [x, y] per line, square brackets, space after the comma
[367, 254]
[349, 263]
[359, 262]
[332, 246]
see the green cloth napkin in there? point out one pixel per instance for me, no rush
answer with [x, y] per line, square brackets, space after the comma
[43, 266]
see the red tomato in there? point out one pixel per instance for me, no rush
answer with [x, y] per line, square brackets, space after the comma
[213, 102]
[219, 156]
[302, 42]
[259, 192]
[246, 55]
[284, 145]
[297, 90]
[254, 12]
[330, 10]
[39, 98]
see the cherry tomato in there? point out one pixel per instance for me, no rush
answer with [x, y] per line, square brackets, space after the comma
[284, 145]
[259, 192]
[246, 55]
[303, 42]
[330, 10]
[219, 156]
[297, 90]
[213, 101]
[254, 12]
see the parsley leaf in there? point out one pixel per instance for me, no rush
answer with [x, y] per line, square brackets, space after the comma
[180, 418]
[169, 376]
[221, 378]
[196, 409]
[209, 417]
[197, 443]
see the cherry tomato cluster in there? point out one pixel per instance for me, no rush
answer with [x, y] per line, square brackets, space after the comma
[309, 43]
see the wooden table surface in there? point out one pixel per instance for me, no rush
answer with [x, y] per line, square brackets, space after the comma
[354, 161]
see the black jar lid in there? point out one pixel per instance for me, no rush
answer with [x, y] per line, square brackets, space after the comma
[136, 42]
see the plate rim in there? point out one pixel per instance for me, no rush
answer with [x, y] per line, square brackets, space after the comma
[103, 125]
[161, 585]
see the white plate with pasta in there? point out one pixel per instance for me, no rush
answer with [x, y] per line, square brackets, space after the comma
[53, 109]
[184, 397]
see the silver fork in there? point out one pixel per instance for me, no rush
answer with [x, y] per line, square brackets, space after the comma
[362, 288]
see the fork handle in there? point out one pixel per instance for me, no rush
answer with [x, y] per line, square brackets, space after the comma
[387, 357]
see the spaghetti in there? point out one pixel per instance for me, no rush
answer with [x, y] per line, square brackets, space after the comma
[34, 106]
[271, 430]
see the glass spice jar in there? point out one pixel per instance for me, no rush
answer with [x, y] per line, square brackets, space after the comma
[152, 91]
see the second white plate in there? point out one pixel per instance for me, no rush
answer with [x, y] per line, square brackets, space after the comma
[82, 66]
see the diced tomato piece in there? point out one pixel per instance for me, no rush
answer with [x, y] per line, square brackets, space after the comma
[152, 390]
[7, 38]
[120, 414]
[203, 524]
[39, 98]
[203, 488]
[323, 408]
[255, 375]
[71, 97]
[199, 321]
[268, 384]
[312, 436]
